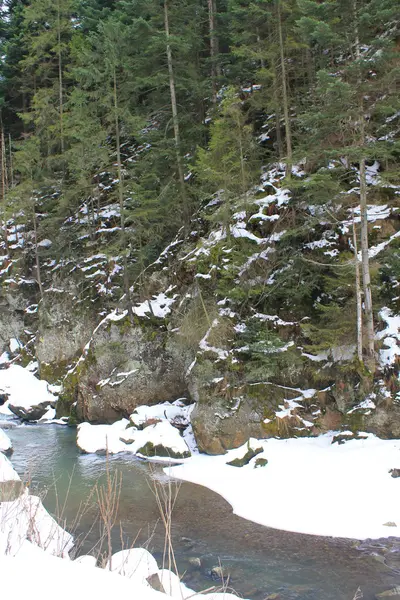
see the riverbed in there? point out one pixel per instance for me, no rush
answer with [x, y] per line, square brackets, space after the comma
[260, 561]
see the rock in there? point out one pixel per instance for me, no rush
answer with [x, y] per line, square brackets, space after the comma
[30, 413]
[64, 329]
[7, 425]
[246, 458]
[342, 438]
[392, 594]
[4, 398]
[220, 572]
[195, 561]
[390, 524]
[154, 582]
[395, 473]
[151, 369]
[260, 462]
[162, 439]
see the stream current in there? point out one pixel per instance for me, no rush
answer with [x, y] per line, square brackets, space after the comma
[262, 562]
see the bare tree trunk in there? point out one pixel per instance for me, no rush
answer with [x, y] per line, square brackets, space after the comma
[214, 48]
[37, 261]
[369, 314]
[60, 79]
[288, 131]
[259, 47]
[174, 108]
[11, 161]
[366, 274]
[358, 296]
[121, 202]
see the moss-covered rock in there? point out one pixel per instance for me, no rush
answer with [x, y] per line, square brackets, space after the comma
[149, 449]
[246, 458]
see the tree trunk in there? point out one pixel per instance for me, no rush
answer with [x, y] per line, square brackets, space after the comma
[174, 109]
[366, 274]
[288, 131]
[358, 296]
[37, 261]
[121, 202]
[369, 314]
[214, 48]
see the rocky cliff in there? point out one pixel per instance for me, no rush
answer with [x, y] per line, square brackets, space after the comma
[252, 315]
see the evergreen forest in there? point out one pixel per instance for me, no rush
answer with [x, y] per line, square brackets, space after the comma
[222, 176]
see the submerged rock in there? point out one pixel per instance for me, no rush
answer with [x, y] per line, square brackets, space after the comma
[392, 594]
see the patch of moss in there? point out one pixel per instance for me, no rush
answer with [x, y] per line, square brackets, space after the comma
[260, 462]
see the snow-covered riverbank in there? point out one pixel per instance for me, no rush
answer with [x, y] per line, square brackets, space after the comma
[309, 485]
[326, 485]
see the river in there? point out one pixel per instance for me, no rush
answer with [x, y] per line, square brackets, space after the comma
[261, 561]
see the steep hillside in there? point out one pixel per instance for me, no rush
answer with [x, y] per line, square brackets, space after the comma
[253, 317]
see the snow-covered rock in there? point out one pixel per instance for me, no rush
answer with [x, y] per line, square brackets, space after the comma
[26, 519]
[5, 443]
[28, 397]
[136, 563]
[176, 412]
[87, 560]
[102, 438]
[7, 472]
[158, 440]
[161, 440]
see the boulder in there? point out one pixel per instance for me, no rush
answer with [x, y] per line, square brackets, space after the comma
[161, 439]
[30, 413]
[126, 366]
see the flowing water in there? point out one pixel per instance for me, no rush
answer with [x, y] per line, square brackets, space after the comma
[262, 562]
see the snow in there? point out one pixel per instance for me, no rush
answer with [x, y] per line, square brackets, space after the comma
[390, 336]
[51, 577]
[375, 250]
[316, 485]
[5, 442]
[164, 411]
[159, 306]
[7, 472]
[98, 438]
[15, 345]
[136, 562]
[26, 518]
[118, 438]
[205, 346]
[24, 388]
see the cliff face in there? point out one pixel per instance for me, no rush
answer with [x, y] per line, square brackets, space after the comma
[250, 314]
